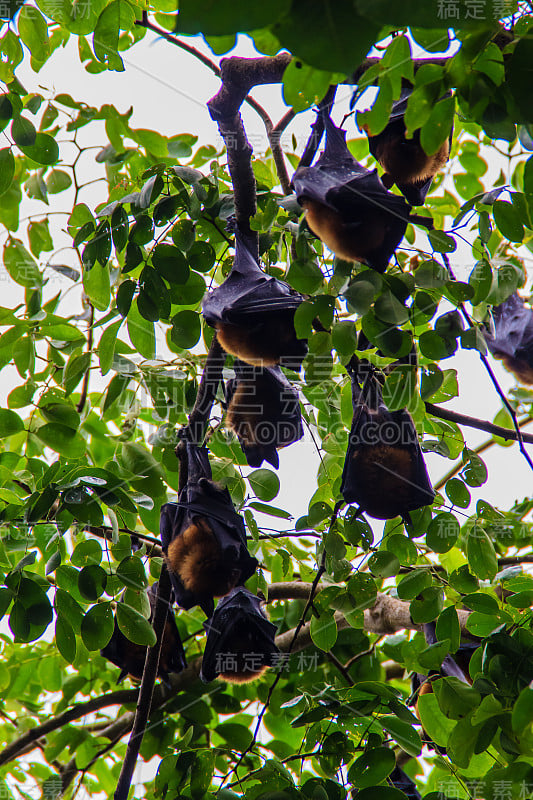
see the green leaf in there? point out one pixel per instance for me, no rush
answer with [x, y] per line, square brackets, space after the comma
[141, 332]
[455, 697]
[119, 228]
[65, 639]
[304, 86]
[97, 626]
[97, 285]
[337, 40]
[412, 584]
[170, 263]
[202, 772]
[62, 439]
[481, 554]
[131, 572]
[523, 710]
[186, 329]
[20, 265]
[406, 736]
[10, 423]
[324, 631]
[106, 346]
[507, 220]
[134, 626]
[437, 129]
[118, 15]
[44, 150]
[23, 132]
[225, 17]
[75, 369]
[264, 483]
[441, 242]
[58, 181]
[7, 169]
[372, 767]
[92, 581]
[33, 31]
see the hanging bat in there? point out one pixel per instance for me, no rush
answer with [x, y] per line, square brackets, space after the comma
[348, 207]
[264, 412]
[511, 337]
[400, 780]
[455, 666]
[240, 642]
[253, 314]
[384, 470]
[203, 538]
[130, 657]
[404, 160]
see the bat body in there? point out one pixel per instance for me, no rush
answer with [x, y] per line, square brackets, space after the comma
[253, 314]
[404, 160]
[240, 642]
[264, 412]
[203, 538]
[348, 207]
[130, 657]
[512, 337]
[384, 470]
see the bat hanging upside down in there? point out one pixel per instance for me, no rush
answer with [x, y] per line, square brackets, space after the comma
[511, 338]
[253, 314]
[348, 207]
[384, 470]
[203, 538]
[240, 642]
[404, 160]
[130, 657]
[263, 410]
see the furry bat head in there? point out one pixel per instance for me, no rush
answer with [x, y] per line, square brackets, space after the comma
[404, 160]
[253, 314]
[240, 642]
[348, 207]
[130, 657]
[512, 337]
[384, 470]
[203, 538]
[264, 412]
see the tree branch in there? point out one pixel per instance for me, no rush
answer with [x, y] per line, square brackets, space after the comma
[473, 422]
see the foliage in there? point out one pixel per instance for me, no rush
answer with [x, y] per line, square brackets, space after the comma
[89, 432]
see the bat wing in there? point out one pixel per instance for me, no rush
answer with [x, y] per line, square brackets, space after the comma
[263, 411]
[238, 627]
[384, 470]
[204, 503]
[247, 291]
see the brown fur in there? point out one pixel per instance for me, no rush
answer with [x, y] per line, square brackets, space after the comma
[242, 677]
[386, 476]
[263, 343]
[254, 402]
[406, 161]
[196, 557]
[520, 368]
[346, 243]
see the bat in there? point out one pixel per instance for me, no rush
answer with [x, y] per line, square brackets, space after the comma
[455, 666]
[253, 314]
[511, 337]
[348, 207]
[264, 412]
[384, 470]
[400, 780]
[240, 642]
[130, 657]
[203, 538]
[404, 160]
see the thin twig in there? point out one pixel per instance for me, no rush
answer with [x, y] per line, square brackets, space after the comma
[85, 385]
[479, 424]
